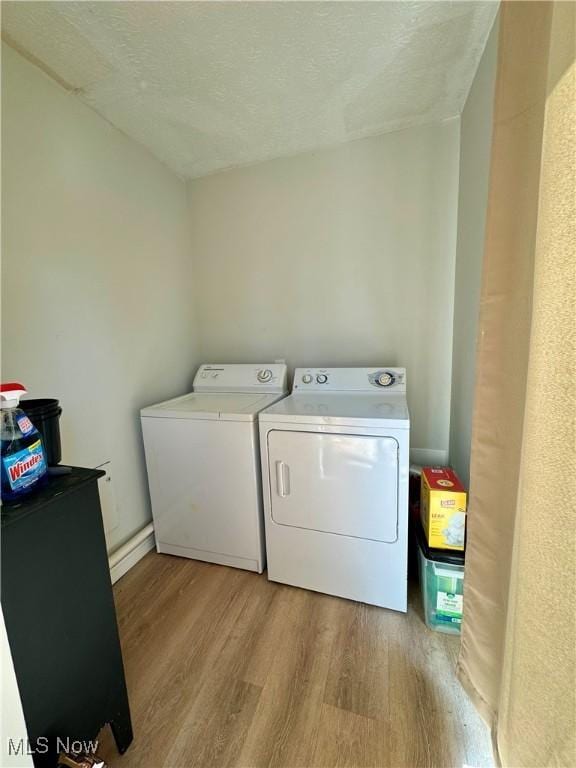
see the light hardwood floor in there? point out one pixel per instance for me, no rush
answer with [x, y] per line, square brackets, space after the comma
[225, 668]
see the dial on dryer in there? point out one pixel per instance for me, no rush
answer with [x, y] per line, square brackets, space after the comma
[385, 379]
[264, 375]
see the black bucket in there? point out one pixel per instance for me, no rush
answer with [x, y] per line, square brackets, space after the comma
[45, 415]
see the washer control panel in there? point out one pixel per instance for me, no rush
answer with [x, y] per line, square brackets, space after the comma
[241, 377]
[350, 380]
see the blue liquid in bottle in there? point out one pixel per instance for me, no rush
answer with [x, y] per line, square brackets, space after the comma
[23, 462]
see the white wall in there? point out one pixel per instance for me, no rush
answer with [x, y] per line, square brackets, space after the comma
[13, 735]
[96, 283]
[338, 257]
[475, 144]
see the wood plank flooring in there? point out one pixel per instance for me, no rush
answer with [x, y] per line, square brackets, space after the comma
[225, 668]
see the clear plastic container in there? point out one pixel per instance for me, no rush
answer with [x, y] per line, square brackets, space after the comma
[442, 587]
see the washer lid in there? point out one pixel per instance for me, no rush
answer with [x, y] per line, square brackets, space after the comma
[341, 409]
[234, 406]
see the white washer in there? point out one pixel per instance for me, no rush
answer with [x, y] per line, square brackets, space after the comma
[203, 465]
[335, 477]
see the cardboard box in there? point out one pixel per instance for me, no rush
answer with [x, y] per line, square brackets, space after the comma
[443, 508]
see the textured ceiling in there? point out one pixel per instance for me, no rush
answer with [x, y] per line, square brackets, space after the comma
[212, 85]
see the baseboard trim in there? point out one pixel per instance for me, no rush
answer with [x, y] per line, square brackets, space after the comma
[126, 556]
[429, 457]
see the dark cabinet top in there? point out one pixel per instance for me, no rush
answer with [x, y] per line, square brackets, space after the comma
[56, 487]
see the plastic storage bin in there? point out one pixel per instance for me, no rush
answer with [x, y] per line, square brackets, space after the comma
[442, 586]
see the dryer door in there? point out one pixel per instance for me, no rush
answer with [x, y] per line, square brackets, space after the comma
[340, 484]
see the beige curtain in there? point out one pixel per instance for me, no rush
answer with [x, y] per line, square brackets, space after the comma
[518, 649]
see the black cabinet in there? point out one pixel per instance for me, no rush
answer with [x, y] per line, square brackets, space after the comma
[60, 618]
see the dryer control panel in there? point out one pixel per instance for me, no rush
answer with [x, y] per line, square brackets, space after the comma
[241, 377]
[383, 379]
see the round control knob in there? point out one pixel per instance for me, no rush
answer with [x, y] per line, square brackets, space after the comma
[321, 378]
[385, 379]
[307, 378]
[264, 375]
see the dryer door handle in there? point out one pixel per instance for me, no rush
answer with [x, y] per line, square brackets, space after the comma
[282, 479]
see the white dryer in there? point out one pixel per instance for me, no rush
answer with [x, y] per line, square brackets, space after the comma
[335, 463]
[203, 465]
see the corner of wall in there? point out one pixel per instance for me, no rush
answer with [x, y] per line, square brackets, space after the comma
[475, 146]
